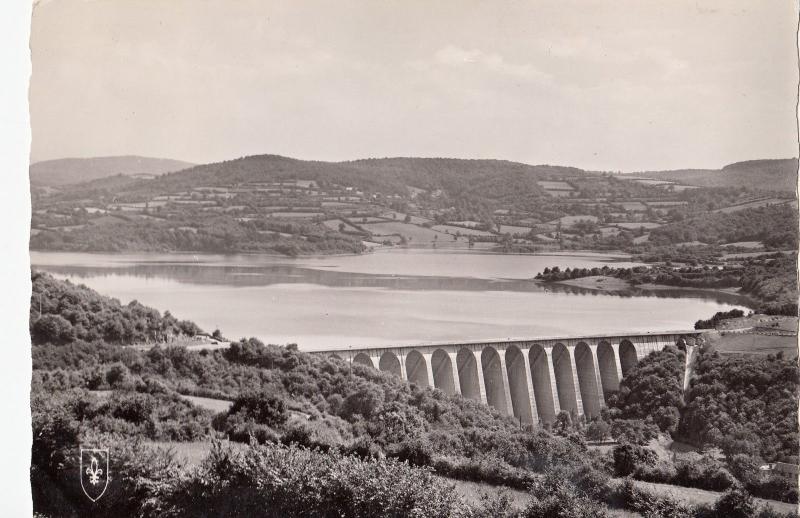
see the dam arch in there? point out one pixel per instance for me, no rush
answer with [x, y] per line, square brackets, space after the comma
[607, 363]
[516, 367]
[363, 359]
[467, 367]
[565, 382]
[628, 357]
[417, 368]
[443, 372]
[390, 363]
[542, 384]
[493, 380]
[587, 379]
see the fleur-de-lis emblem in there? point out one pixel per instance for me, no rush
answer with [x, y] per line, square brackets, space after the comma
[94, 471]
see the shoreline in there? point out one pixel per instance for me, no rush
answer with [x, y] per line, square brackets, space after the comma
[612, 256]
[606, 283]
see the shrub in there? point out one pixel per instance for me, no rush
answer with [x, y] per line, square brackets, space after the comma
[735, 503]
[703, 472]
[628, 457]
[289, 481]
[261, 407]
[597, 430]
[555, 496]
[649, 504]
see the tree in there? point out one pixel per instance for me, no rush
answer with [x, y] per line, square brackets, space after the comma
[53, 329]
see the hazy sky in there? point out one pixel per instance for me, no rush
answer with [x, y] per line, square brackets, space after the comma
[622, 85]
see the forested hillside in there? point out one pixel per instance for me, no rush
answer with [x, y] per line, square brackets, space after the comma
[774, 225]
[62, 312]
[388, 176]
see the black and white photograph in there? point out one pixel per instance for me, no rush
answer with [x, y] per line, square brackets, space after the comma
[452, 258]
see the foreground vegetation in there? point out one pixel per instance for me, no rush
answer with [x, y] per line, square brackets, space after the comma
[324, 438]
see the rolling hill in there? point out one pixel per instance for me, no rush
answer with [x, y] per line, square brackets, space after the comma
[775, 175]
[73, 170]
[493, 179]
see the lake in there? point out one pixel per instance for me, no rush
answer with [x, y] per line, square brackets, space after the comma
[395, 296]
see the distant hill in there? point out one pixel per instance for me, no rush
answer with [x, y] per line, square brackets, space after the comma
[775, 175]
[493, 179]
[65, 171]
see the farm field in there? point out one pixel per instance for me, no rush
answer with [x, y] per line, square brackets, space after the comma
[399, 216]
[648, 181]
[667, 203]
[632, 205]
[559, 194]
[333, 224]
[638, 224]
[514, 229]
[751, 343]
[215, 405]
[754, 204]
[608, 231]
[366, 219]
[701, 496]
[555, 186]
[747, 244]
[450, 229]
[295, 214]
[416, 233]
[568, 221]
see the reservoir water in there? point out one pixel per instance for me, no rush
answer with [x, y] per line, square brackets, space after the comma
[398, 296]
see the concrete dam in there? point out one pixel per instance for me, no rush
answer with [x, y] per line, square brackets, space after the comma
[530, 379]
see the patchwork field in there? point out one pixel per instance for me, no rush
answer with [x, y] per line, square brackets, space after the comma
[555, 186]
[632, 205]
[514, 229]
[333, 224]
[299, 215]
[568, 221]
[750, 343]
[450, 229]
[635, 225]
[754, 204]
[416, 233]
[399, 216]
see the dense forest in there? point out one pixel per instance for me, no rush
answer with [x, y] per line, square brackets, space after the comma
[316, 433]
[745, 406]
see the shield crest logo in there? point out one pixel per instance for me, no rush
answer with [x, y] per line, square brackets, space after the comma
[94, 472]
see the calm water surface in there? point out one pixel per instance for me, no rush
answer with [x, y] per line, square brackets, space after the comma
[387, 297]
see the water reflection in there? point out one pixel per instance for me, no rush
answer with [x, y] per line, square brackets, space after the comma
[287, 274]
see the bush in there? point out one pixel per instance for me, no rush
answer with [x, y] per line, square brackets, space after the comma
[662, 471]
[555, 496]
[628, 457]
[289, 481]
[597, 430]
[261, 407]
[735, 503]
[703, 472]
[649, 504]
